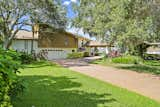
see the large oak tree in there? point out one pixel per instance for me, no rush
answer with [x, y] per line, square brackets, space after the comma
[127, 23]
[16, 14]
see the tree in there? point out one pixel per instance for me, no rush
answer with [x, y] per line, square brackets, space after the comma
[127, 23]
[16, 14]
[92, 16]
[12, 19]
[49, 12]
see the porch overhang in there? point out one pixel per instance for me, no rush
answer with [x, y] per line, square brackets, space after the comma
[97, 44]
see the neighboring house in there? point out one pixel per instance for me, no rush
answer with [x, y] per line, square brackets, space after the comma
[100, 47]
[153, 48]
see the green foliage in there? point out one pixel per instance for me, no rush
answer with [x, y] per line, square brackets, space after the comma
[127, 60]
[26, 58]
[148, 66]
[55, 13]
[152, 63]
[75, 55]
[38, 11]
[10, 85]
[126, 23]
[86, 54]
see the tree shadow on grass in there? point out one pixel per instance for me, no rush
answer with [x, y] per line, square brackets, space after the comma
[47, 91]
[41, 64]
[142, 68]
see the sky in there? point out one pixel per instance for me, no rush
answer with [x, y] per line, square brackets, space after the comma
[68, 4]
[71, 14]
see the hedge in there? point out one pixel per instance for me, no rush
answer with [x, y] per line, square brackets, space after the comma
[75, 55]
[127, 59]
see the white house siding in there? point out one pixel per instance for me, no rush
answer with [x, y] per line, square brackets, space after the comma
[153, 50]
[24, 45]
[57, 53]
[103, 50]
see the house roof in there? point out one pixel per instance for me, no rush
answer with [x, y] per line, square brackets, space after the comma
[96, 44]
[157, 43]
[153, 50]
[23, 35]
[77, 36]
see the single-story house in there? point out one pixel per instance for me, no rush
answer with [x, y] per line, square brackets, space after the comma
[55, 43]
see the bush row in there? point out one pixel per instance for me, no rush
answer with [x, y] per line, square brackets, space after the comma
[75, 55]
[127, 60]
[10, 84]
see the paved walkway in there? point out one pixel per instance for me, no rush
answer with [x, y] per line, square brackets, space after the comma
[142, 83]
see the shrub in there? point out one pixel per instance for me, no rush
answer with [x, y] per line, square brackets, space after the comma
[75, 55]
[97, 54]
[26, 58]
[22, 57]
[86, 54]
[14, 54]
[127, 60]
[10, 85]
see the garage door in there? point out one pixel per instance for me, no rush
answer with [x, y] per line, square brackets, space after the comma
[55, 53]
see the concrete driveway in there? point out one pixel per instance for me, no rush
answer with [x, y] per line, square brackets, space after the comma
[142, 83]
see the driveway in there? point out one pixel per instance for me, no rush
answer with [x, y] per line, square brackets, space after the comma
[142, 83]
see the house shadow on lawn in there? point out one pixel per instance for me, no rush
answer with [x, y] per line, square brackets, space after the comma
[40, 64]
[47, 91]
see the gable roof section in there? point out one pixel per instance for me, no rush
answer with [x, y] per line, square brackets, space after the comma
[49, 29]
[77, 36]
[25, 35]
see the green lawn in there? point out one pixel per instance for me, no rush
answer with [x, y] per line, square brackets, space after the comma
[50, 85]
[149, 66]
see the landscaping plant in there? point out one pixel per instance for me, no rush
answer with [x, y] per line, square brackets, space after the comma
[75, 55]
[10, 84]
[26, 58]
[127, 59]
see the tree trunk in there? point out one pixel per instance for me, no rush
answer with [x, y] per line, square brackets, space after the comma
[6, 44]
[32, 42]
[8, 40]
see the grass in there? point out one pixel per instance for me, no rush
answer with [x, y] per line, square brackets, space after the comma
[149, 66]
[49, 85]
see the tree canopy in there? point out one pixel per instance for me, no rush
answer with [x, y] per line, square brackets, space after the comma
[124, 22]
[16, 14]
